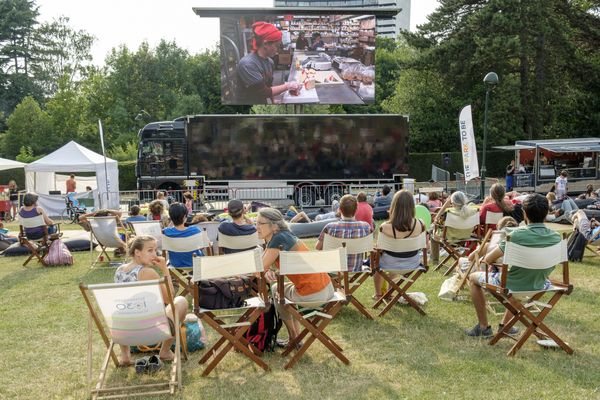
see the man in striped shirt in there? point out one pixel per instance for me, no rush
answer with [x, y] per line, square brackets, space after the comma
[347, 228]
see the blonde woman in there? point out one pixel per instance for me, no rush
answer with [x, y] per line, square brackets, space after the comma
[145, 265]
[13, 193]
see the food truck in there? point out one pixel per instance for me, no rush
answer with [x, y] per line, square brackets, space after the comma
[539, 162]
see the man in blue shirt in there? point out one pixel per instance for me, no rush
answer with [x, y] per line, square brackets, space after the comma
[239, 226]
[178, 215]
[385, 198]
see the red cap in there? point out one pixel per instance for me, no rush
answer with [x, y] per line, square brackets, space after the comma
[267, 32]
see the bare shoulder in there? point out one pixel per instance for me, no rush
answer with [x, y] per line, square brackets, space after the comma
[148, 274]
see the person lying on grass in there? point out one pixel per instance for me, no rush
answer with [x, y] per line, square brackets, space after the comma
[145, 266]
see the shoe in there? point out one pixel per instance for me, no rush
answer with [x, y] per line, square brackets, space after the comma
[477, 331]
[513, 331]
[141, 365]
[282, 342]
[154, 364]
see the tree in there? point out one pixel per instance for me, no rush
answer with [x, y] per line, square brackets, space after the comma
[59, 50]
[28, 126]
[17, 24]
[541, 49]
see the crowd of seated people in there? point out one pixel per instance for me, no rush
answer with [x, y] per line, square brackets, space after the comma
[355, 221]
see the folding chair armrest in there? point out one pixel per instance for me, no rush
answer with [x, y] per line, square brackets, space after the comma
[280, 293]
[262, 289]
[196, 299]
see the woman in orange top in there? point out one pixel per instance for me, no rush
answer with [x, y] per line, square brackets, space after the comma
[302, 288]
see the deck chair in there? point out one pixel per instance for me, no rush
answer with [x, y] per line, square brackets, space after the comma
[149, 228]
[455, 248]
[362, 247]
[526, 306]
[232, 333]
[399, 286]
[105, 231]
[491, 219]
[182, 275]
[314, 317]
[491, 239]
[37, 247]
[238, 243]
[133, 314]
[212, 230]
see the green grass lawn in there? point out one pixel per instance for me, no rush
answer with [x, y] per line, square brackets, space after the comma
[43, 325]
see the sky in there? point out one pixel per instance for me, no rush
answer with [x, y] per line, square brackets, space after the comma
[130, 22]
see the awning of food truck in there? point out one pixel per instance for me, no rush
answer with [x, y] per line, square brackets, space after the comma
[515, 147]
[572, 148]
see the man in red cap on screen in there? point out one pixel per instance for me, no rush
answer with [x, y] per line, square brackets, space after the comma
[255, 70]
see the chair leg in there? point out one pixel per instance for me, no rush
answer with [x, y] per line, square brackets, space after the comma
[316, 333]
[234, 339]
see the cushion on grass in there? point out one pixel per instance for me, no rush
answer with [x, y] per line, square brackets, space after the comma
[15, 250]
[78, 244]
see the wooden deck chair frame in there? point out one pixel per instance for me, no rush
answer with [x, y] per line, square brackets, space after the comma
[398, 287]
[590, 246]
[531, 258]
[452, 247]
[360, 246]
[108, 241]
[492, 238]
[232, 334]
[243, 242]
[313, 317]
[37, 247]
[195, 242]
[157, 334]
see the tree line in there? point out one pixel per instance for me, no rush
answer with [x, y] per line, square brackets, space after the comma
[546, 53]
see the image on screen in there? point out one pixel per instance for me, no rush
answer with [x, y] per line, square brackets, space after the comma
[298, 147]
[296, 59]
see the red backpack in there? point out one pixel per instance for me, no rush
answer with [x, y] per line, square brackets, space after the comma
[263, 332]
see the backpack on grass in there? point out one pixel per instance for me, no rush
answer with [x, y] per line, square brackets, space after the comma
[263, 332]
[576, 246]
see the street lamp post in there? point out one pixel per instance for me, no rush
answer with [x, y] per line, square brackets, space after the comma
[490, 81]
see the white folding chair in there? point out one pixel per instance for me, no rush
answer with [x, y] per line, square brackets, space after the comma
[133, 314]
[105, 231]
[148, 228]
[212, 230]
[454, 248]
[360, 247]
[491, 219]
[524, 305]
[238, 243]
[187, 244]
[405, 278]
[232, 334]
[313, 316]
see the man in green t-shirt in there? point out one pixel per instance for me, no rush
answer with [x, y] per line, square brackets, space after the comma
[534, 234]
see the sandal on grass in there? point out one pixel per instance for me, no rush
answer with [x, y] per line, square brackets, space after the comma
[141, 365]
[154, 364]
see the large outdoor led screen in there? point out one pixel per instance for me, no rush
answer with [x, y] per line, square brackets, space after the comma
[294, 147]
[298, 59]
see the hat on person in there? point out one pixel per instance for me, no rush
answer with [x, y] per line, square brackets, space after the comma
[266, 32]
[235, 207]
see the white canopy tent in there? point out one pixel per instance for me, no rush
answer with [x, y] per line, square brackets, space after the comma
[41, 176]
[10, 164]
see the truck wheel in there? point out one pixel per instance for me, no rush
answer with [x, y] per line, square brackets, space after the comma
[305, 196]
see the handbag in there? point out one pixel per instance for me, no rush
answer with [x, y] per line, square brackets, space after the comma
[58, 254]
[224, 293]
